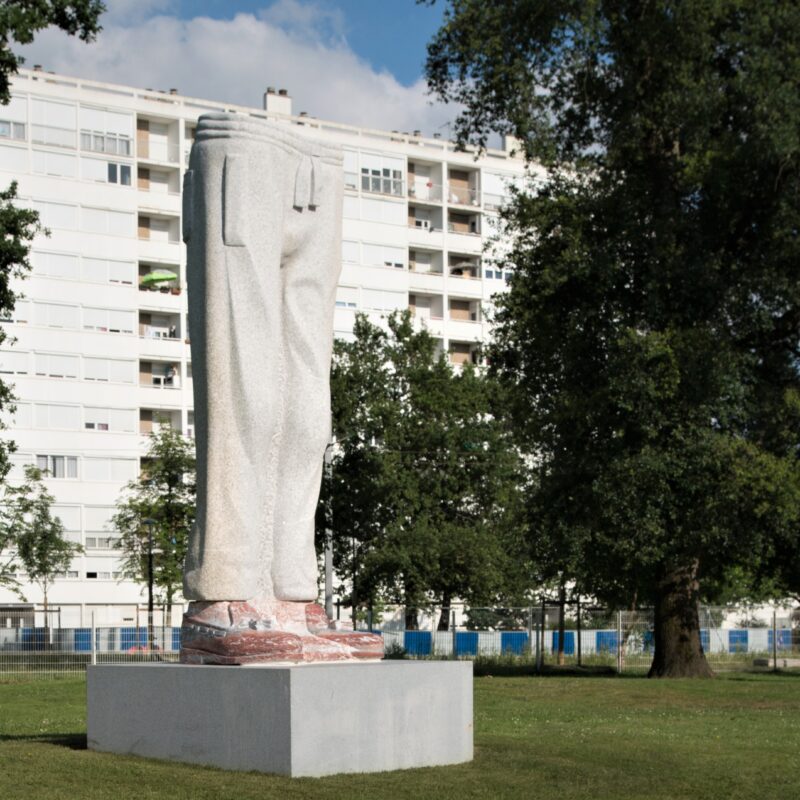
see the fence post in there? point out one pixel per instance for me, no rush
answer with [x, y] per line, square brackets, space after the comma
[530, 631]
[774, 640]
[453, 630]
[619, 642]
[94, 642]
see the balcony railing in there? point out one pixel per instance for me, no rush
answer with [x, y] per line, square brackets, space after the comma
[425, 191]
[150, 332]
[155, 150]
[161, 382]
[459, 195]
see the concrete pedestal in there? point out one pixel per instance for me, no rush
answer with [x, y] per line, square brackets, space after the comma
[307, 719]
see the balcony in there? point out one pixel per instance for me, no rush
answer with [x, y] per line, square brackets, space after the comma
[461, 353]
[157, 150]
[462, 195]
[424, 191]
[464, 267]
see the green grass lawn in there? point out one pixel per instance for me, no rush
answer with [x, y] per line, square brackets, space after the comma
[551, 737]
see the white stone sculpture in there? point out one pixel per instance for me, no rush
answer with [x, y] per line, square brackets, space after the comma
[262, 221]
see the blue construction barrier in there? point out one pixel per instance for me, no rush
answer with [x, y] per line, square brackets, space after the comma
[569, 642]
[132, 638]
[606, 641]
[784, 639]
[737, 641]
[33, 638]
[417, 643]
[83, 640]
[466, 643]
[705, 640]
[176, 638]
[515, 642]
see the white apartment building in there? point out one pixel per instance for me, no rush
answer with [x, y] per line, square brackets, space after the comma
[100, 357]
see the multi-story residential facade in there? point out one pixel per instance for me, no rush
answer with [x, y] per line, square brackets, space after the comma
[102, 354]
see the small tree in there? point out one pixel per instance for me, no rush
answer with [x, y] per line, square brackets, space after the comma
[38, 535]
[161, 503]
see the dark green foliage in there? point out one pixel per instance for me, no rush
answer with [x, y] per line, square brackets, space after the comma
[651, 335]
[426, 482]
[165, 494]
[21, 20]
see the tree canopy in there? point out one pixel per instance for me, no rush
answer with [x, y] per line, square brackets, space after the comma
[21, 20]
[650, 336]
[161, 498]
[426, 480]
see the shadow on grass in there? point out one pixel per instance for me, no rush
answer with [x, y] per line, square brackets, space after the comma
[72, 741]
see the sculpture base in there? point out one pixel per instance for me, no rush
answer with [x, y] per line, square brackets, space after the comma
[298, 720]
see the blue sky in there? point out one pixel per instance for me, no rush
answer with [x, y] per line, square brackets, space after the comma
[352, 61]
[389, 34]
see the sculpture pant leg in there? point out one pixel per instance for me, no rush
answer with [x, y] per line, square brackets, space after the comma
[234, 256]
[262, 220]
[311, 271]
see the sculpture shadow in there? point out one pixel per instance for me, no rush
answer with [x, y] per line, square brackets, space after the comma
[72, 741]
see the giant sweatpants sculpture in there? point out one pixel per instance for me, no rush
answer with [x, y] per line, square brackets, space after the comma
[262, 222]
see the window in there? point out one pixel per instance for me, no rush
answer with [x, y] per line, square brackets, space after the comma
[57, 416]
[119, 173]
[378, 300]
[57, 164]
[347, 297]
[378, 255]
[102, 542]
[70, 573]
[57, 215]
[12, 130]
[350, 252]
[94, 169]
[56, 366]
[56, 265]
[383, 211]
[118, 420]
[382, 174]
[108, 320]
[99, 220]
[101, 270]
[53, 123]
[106, 131]
[55, 315]
[13, 362]
[109, 370]
[58, 466]
[119, 470]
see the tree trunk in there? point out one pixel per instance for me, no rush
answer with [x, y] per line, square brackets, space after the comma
[562, 602]
[444, 617]
[678, 650]
[46, 640]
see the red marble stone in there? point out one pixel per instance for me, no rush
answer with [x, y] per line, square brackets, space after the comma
[238, 632]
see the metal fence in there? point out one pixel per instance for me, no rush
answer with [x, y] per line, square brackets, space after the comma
[732, 637]
[621, 640]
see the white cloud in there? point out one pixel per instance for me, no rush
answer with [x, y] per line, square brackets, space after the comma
[291, 44]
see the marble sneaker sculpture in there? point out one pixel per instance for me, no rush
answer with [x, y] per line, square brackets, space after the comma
[262, 223]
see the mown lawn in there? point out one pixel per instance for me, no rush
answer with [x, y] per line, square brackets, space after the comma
[551, 737]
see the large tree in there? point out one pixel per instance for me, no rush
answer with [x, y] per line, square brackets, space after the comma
[651, 332]
[21, 20]
[426, 480]
[155, 514]
[38, 536]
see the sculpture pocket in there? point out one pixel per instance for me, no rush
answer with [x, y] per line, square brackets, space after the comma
[188, 205]
[234, 200]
